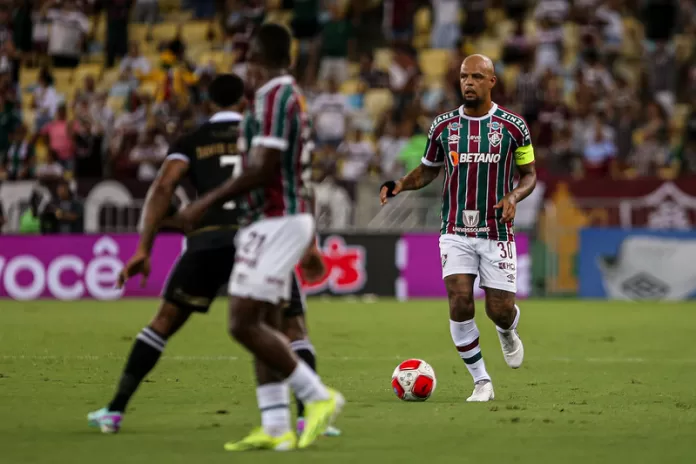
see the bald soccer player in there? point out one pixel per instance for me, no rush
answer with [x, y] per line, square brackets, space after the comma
[480, 144]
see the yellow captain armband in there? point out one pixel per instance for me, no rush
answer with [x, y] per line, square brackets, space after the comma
[524, 155]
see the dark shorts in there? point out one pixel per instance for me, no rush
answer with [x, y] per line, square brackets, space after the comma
[199, 275]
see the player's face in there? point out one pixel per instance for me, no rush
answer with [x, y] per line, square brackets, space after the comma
[476, 82]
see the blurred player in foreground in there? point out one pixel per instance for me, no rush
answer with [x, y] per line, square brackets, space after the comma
[279, 232]
[207, 263]
[478, 144]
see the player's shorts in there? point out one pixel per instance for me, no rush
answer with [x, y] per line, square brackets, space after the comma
[494, 262]
[197, 276]
[267, 253]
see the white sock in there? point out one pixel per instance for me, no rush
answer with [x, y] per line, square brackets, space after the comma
[274, 403]
[307, 384]
[465, 336]
[514, 323]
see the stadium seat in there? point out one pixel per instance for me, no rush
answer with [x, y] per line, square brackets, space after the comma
[196, 31]
[88, 69]
[378, 102]
[28, 77]
[422, 20]
[383, 58]
[490, 46]
[350, 87]
[148, 88]
[164, 31]
[116, 104]
[433, 62]
[681, 113]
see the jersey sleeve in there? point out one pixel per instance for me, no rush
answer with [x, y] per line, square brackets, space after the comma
[181, 150]
[524, 153]
[274, 113]
[434, 154]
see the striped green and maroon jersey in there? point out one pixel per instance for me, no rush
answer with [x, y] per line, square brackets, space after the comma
[279, 120]
[478, 155]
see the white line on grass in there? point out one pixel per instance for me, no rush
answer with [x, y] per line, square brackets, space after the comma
[590, 360]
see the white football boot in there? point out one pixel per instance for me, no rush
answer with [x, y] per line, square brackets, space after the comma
[513, 349]
[510, 342]
[483, 391]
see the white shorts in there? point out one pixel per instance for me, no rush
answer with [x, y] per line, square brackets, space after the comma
[267, 253]
[494, 262]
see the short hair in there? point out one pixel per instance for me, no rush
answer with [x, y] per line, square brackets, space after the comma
[226, 90]
[273, 43]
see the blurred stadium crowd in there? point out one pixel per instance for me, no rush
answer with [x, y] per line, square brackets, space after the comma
[100, 88]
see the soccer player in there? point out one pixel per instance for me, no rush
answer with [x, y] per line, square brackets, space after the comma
[208, 156]
[478, 144]
[268, 248]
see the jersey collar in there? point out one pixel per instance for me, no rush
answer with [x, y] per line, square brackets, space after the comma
[493, 109]
[285, 79]
[226, 116]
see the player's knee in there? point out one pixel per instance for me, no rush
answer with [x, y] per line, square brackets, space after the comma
[500, 307]
[461, 305]
[238, 330]
[293, 329]
[168, 320]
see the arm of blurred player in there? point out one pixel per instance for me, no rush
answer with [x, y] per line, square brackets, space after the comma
[263, 166]
[312, 263]
[157, 201]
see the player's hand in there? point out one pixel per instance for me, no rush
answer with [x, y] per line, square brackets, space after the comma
[138, 264]
[384, 191]
[509, 206]
[312, 265]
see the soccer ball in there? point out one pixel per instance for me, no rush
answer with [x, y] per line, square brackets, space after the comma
[414, 380]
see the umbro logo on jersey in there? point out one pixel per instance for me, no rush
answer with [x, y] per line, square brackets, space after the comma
[453, 138]
[457, 158]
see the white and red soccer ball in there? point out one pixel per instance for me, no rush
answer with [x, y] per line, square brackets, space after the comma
[414, 380]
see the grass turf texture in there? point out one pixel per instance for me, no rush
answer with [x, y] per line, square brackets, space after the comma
[602, 383]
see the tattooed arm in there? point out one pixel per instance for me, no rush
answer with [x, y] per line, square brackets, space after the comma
[414, 180]
[524, 187]
[419, 177]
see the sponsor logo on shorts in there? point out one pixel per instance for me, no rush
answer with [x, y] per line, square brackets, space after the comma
[275, 281]
[511, 278]
[444, 260]
[345, 268]
[506, 266]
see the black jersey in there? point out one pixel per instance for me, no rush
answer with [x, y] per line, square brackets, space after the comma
[214, 154]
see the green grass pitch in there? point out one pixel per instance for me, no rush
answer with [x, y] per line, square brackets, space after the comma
[602, 383]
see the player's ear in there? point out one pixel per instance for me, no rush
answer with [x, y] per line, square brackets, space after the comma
[494, 80]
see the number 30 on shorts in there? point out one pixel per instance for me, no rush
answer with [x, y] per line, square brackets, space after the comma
[507, 250]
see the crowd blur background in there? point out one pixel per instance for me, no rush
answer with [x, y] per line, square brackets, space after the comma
[98, 89]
